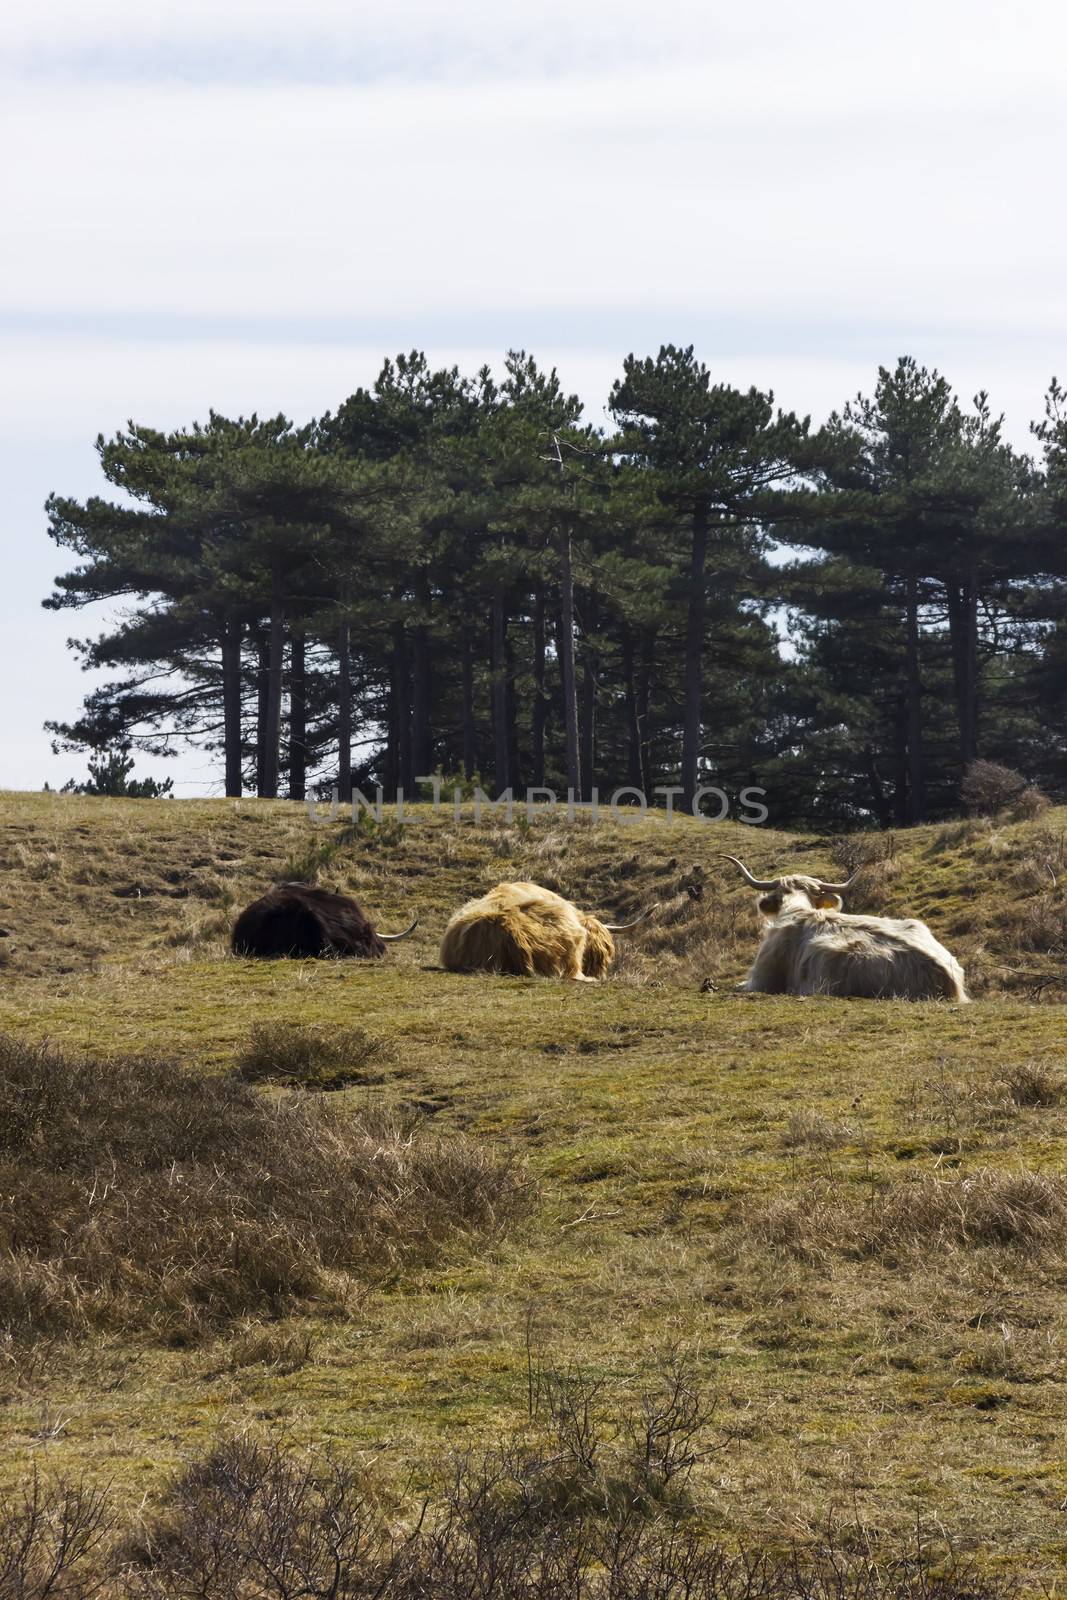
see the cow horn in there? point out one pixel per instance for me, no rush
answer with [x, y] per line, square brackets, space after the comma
[624, 927]
[391, 938]
[839, 888]
[753, 883]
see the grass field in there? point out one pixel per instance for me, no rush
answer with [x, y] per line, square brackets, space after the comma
[847, 1220]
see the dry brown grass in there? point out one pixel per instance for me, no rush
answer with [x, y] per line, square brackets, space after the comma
[810, 1130]
[134, 1194]
[1021, 1211]
[1034, 1083]
[313, 1057]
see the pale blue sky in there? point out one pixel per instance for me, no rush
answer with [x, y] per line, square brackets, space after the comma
[246, 205]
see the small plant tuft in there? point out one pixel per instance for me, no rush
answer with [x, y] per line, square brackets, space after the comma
[810, 1130]
[1022, 1211]
[313, 1058]
[1034, 1083]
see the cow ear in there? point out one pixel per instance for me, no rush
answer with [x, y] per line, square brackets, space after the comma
[770, 904]
[828, 902]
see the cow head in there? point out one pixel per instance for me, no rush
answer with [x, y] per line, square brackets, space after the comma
[794, 893]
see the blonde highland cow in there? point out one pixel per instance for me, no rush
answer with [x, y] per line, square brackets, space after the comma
[527, 931]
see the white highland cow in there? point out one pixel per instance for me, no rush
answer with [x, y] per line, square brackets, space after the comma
[811, 946]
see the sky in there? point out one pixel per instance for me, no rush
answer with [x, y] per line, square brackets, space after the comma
[247, 205]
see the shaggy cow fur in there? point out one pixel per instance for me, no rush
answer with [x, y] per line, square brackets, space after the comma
[522, 929]
[294, 919]
[811, 946]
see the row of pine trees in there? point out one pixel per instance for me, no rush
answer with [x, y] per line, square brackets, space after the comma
[457, 574]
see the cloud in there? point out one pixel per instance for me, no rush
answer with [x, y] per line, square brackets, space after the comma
[361, 41]
[355, 42]
[629, 193]
[247, 205]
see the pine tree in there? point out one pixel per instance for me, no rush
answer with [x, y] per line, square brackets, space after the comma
[715, 453]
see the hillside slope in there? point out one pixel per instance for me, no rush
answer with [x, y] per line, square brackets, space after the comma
[91, 884]
[850, 1218]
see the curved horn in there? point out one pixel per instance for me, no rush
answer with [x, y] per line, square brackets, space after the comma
[839, 888]
[623, 927]
[391, 938]
[753, 883]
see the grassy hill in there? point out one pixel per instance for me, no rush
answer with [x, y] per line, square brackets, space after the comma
[845, 1221]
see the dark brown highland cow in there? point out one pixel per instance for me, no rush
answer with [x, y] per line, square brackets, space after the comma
[293, 919]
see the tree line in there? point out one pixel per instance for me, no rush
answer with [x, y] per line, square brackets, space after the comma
[458, 574]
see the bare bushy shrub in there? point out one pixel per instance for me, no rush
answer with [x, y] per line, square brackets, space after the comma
[875, 861]
[254, 1519]
[991, 790]
[584, 1456]
[52, 1540]
[315, 1058]
[258, 1520]
[136, 1194]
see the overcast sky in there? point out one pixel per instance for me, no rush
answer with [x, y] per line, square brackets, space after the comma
[246, 205]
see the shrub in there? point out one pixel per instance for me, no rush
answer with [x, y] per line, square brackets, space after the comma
[258, 1519]
[135, 1194]
[990, 790]
[287, 1052]
[109, 774]
[51, 1540]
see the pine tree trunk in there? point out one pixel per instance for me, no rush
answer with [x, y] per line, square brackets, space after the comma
[694, 655]
[297, 717]
[879, 800]
[916, 808]
[644, 698]
[566, 662]
[969, 730]
[262, 696]
[272, 735]
[539, 709]
[470, 737]
[589, 678]
[231, 706]
[963, 633]
[634, 775]
[401, 710]
[900, 762]
[344, 712]
[421, 665]
[499, 692]
[512, 710]
[391, 756]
